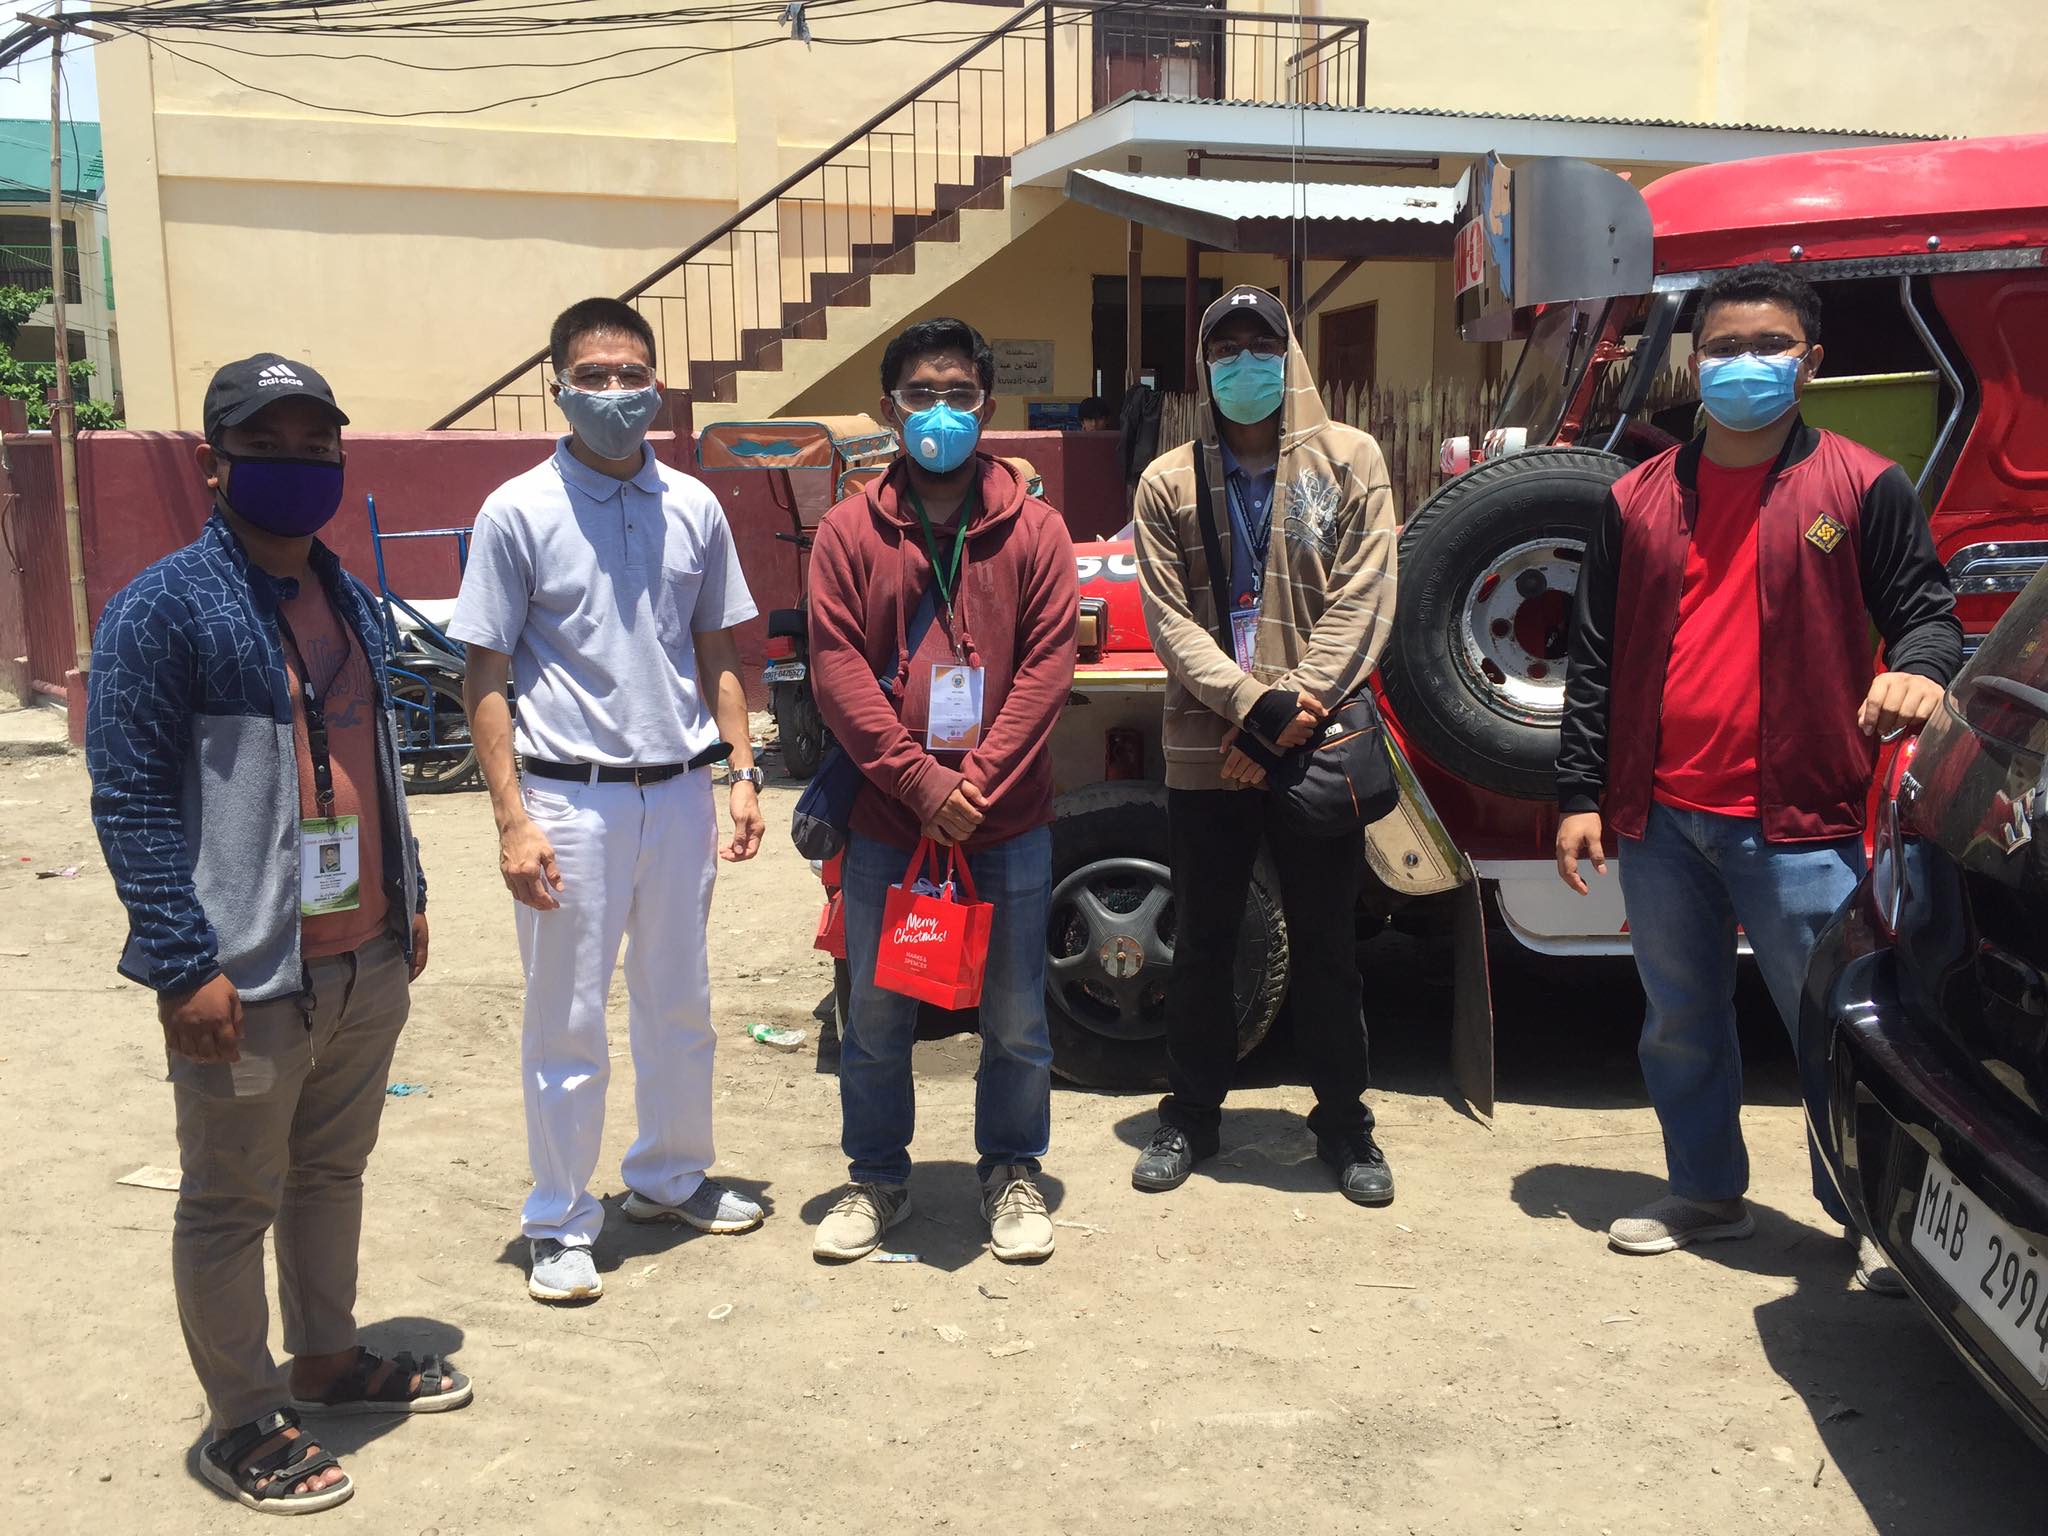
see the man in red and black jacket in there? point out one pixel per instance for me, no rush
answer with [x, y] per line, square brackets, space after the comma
[1724, 709]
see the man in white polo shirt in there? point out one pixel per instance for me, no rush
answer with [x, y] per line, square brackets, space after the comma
[607, 587]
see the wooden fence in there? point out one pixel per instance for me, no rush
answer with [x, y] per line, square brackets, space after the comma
[1409, 422]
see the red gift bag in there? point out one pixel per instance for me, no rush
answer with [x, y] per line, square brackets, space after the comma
[935, 948]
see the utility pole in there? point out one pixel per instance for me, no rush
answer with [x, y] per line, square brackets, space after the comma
[64, 409]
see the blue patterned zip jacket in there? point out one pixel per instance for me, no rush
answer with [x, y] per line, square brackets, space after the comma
[195, 778]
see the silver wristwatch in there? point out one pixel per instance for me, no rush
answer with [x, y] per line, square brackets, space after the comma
[753, 776]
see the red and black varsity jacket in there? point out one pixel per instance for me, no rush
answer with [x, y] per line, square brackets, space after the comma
[1843, 544]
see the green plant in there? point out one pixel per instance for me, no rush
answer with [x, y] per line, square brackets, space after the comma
[30, 383]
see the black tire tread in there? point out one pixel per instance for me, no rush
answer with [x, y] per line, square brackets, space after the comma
[1418, 698]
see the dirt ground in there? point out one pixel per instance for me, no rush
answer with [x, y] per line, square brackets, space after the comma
[1247, 1354]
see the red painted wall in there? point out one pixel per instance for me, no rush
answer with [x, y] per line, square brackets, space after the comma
[141, 497]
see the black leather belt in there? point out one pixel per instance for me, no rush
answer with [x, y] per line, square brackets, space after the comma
[654, 773]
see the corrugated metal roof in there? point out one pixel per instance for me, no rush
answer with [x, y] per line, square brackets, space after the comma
[1537, 117]
[25, 160]
[1231, 199]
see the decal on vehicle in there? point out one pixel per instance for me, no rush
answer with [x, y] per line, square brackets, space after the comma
[1109, 567]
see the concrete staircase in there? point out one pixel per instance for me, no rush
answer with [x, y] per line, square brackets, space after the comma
[849, 311]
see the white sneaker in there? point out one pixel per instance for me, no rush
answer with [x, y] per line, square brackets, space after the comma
[713, 1208]
[1874, 1272]
[853, 1228]
[1666, 1225]
[1018, 1226]
[562, 1273]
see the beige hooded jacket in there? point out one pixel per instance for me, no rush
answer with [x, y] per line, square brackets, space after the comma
[1328, 601]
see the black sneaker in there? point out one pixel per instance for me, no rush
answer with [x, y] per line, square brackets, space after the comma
[1362, 1171]
[1169, 1157]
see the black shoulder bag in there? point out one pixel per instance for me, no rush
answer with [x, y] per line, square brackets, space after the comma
[1342, 780]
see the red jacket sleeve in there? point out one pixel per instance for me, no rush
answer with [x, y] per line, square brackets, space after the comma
[1044, 678]
[861, 717]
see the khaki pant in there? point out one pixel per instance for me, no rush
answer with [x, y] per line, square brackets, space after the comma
[280, 1139]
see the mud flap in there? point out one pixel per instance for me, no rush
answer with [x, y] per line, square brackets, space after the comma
[1471, 999]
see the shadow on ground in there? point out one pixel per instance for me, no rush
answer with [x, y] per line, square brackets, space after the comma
[1925, 1450]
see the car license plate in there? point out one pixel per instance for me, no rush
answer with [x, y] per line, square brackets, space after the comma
[784, 672]
[1999, 1275]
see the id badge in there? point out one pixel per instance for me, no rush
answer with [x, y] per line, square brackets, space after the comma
[954, 724]
[330, 866]
[1244, 635]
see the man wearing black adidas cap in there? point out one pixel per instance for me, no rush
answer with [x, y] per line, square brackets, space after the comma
[246, 791]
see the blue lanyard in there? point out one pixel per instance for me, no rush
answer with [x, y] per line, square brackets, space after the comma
[1252, 543]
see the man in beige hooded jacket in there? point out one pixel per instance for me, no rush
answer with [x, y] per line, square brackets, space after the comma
[1310, 609]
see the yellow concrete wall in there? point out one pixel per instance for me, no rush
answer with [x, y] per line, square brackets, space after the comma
[412, 260]
[242, 220]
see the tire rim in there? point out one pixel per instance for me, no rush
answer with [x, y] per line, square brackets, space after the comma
[1109, 947]
[434, 741]
[1515, 627]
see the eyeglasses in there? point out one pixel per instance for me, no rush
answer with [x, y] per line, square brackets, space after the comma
[1258, 346]
[963, 399]
[595, 377]
[1748, 346]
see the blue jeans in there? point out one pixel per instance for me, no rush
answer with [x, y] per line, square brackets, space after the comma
[1690, 879]
[1013, 1090]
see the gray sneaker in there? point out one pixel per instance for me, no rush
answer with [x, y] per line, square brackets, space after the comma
[1874, 1272]
[562, 1273]
[713, 1208]
[853, 1228]
[1674, 1222]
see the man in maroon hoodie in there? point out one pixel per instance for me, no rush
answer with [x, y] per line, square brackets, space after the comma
[950, 582]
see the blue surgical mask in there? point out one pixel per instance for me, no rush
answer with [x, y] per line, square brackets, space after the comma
[1748, 393]
[1248, 387]
[941, 438]
[612, 422]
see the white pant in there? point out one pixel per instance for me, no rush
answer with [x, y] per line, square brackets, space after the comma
[636, 864]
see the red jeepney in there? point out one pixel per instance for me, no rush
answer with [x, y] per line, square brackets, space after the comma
[1932, 262]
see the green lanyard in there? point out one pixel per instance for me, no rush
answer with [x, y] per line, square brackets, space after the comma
[944, 575]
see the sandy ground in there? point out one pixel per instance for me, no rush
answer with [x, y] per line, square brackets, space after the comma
[1247, 1354]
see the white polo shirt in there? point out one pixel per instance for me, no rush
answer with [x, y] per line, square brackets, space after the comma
[596, 588]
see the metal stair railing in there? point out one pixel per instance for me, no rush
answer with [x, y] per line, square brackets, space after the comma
[775, 269]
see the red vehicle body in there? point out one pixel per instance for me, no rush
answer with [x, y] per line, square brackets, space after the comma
[1932, 261]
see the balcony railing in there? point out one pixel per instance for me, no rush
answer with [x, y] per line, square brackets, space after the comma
[28, 266]
[772, 271]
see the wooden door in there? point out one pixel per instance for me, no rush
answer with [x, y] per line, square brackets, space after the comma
[1350, 346]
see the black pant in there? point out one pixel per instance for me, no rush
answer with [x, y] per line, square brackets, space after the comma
[1215, 836]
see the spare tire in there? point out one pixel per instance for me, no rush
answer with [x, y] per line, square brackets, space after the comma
[1489, 565]
[1109, 944]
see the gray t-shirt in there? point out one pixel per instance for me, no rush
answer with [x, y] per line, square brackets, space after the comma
[596, 588]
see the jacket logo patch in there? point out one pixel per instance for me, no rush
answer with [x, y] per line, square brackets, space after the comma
[1825, 534]
[1313, 503]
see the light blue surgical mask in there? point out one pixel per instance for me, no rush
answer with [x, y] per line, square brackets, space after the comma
[612, 422]
[1248, 387]
[941, 438]
[1748, 392]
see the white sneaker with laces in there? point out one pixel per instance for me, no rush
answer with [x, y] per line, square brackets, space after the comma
[853, 1228]
[1019, 1228]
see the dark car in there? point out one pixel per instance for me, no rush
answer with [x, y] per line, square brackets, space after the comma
[1925, 1019]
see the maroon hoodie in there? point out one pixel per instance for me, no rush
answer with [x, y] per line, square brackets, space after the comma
[1015, 604]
